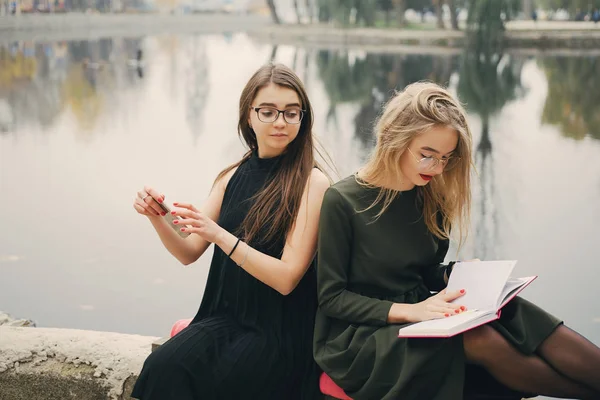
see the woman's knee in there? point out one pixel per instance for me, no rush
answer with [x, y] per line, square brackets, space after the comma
[481, 344]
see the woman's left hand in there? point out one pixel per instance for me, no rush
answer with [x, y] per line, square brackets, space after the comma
[197, 222]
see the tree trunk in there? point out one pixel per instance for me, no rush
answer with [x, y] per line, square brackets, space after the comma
[298, 18]
[453, 15]
[527, 8]
[439, 13]
[309, 10]
[366, 14]
[295, 60]
[273, 9]
[273, 53]
[400, 9]
[485, 143]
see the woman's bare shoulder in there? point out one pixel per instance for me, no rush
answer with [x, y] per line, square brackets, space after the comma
[318, 180]
[222, 182]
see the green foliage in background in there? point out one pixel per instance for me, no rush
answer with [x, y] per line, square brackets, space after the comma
[571, 5]
[573, 95]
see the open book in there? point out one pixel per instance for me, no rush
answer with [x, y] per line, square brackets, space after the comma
[488, 286]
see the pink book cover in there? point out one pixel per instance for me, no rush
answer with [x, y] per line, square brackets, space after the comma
[484, 319]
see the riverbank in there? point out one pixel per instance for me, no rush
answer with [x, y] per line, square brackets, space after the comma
[520, 35]
[69, 363]
[543, 35]
[8, 320]
[78, 26]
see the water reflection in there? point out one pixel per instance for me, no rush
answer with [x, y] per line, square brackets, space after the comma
[488, 79]
[573, 95]
[198, 85]
[369, 79]
[39, 81]
[175, 127]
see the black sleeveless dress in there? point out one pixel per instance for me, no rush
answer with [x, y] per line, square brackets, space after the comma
[247, 340]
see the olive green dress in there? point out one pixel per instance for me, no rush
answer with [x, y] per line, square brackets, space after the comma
[365, 265]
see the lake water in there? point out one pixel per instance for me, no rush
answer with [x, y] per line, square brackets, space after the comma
[82, 129]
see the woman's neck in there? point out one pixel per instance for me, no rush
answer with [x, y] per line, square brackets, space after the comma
[386, 181]
[269, 153]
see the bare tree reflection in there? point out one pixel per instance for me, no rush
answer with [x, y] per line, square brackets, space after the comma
[573, 95]
[29, 88]
[197, 84]
[370, 79]
[38, 81]
[273, 53]
[489, 79]
[307, 63]
[295, 60]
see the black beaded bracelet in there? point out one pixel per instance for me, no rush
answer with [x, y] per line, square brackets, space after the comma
[234, 247]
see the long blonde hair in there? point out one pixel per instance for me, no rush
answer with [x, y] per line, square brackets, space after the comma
[419, 107]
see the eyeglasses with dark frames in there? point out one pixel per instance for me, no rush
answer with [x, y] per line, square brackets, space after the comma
[271, 114]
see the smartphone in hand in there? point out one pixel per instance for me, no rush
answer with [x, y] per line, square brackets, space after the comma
[170, 218]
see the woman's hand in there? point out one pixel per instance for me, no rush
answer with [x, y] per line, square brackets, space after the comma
[437, 306]
[145, 202]
[198, 222]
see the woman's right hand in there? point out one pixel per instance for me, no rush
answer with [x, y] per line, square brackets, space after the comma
[145, 202]
[437, 306]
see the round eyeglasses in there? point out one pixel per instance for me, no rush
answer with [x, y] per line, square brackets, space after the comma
[430, 163]
[270, 114]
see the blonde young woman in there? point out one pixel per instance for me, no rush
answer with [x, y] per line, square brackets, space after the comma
[383, 236]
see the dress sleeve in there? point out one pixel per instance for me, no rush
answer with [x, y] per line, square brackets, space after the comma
[433, 275]
[334, 258]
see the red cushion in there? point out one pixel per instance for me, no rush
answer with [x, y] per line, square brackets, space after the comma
[179, 326]
[329, 388]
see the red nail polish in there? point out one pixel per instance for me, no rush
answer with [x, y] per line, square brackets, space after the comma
[447, 315]
[462, 290]
[173, 212]
[160, 200]
[182, 229]
[163, 213]
[175, 222]
[463, 308]
[175, 204]
[457, 311]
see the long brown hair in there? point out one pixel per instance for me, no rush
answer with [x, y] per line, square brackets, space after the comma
[418, 108]
[277, 204]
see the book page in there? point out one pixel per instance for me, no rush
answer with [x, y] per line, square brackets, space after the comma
[444, 325]
[512, 286]
[483, 282]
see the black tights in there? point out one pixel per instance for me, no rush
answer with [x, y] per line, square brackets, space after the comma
[565, 365]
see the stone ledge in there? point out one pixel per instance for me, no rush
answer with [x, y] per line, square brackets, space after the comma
[69, 363]
[159, 342]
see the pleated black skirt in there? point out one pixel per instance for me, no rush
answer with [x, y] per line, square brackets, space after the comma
[212, 359]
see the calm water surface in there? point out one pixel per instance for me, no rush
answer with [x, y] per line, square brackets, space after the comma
[82, 128]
